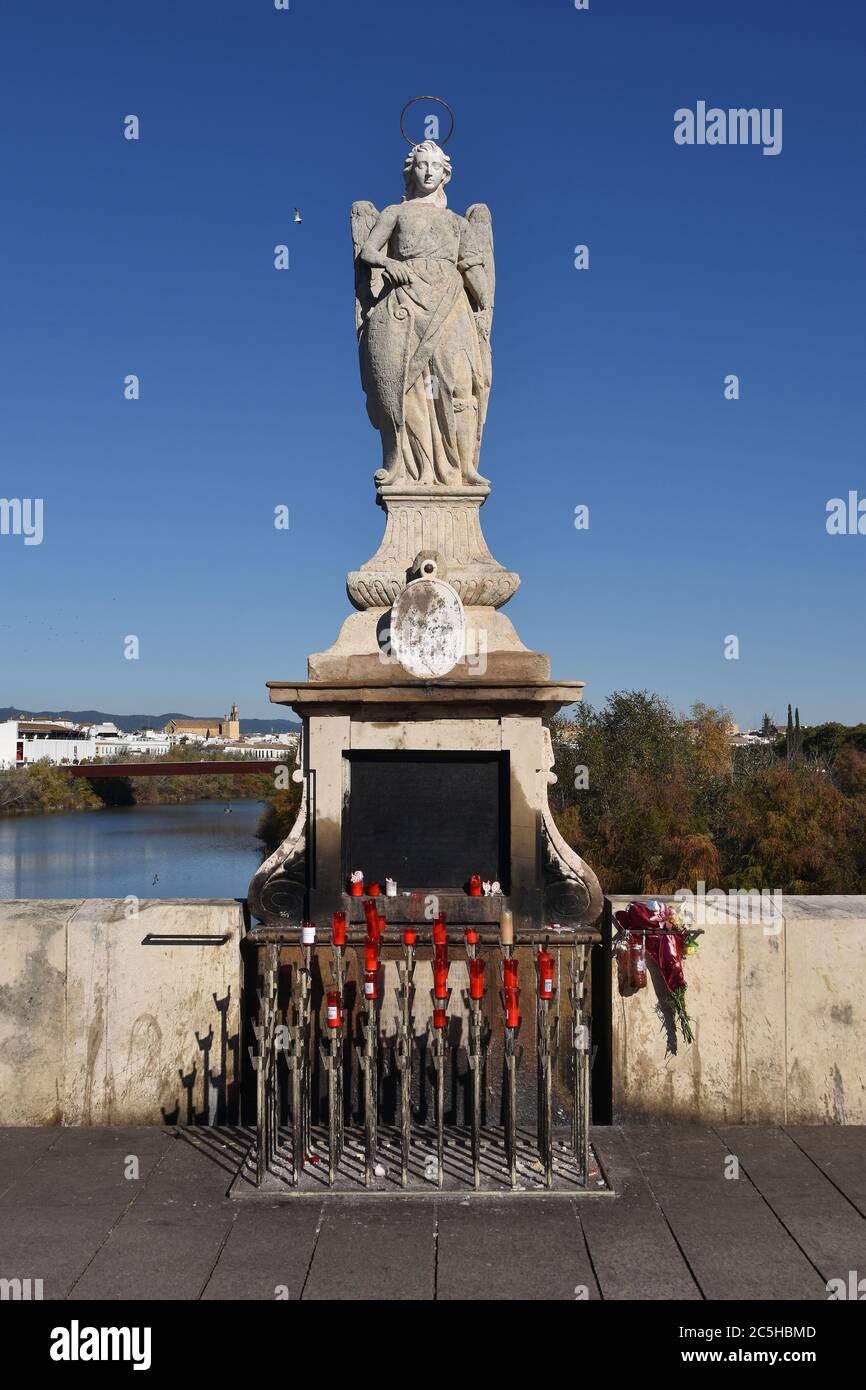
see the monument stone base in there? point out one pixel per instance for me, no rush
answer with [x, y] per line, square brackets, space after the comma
[426, 783]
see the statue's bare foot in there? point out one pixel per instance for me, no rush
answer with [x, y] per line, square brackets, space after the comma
[474, 479]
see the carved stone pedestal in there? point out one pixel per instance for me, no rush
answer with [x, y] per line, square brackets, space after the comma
[441, 520]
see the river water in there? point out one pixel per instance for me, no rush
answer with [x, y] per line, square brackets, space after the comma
[200, 850]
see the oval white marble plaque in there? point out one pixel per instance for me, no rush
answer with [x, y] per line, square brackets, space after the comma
[428, 628]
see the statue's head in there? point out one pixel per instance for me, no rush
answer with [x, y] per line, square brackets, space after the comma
[427, 170]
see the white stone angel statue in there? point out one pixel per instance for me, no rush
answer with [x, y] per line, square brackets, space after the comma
[424, 288]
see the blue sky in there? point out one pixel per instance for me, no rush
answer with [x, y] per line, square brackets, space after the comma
[155, 257]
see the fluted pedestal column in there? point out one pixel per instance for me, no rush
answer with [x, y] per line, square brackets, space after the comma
[441, 520]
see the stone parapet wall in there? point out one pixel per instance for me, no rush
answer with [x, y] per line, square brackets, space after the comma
[779, 1016]
[115, 1013]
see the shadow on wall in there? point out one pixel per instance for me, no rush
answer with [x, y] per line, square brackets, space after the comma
[212, 1096]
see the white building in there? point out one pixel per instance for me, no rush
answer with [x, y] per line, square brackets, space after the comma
[101, 731]
[145, 743]
[25, 741]
[8, 742]
[255, 750]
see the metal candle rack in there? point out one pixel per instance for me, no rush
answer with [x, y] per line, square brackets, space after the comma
[405, 1047]
[369, 1060]
[316, 1148]
[479, 1035]
[580, 1048]
[264, 1059]
[332, 1048]
[440, 998]
[511, 1008]
[547, 1026]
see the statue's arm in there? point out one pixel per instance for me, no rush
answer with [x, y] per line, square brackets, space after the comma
[476, 283]
[371, 252]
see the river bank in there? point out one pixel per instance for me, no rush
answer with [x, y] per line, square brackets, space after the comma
[42, 789]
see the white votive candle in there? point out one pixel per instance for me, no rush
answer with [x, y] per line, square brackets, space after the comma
[506, 927]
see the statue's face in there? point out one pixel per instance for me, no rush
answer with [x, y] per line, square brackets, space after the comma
[428, 172]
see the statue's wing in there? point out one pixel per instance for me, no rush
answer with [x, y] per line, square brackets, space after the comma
[481, 224]
[368, 282]
[479, 219]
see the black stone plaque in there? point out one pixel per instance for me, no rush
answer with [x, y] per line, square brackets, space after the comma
[429, 820]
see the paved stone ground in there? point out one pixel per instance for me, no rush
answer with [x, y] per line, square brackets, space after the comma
[678, 1229]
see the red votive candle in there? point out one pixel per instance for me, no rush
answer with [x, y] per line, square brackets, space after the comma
[408, 936]
[510, 971]
[440, 1018]
[371, 913]
[371, 984]
[545, 975]
[356, 890]
[383, 923]
[440, 979]
[475, 886]
[440, 932]
[338, 928]
[374, 890]
[471, 936]
[371, 955]
[476, 978]
[335, 1009]
[512, 1007]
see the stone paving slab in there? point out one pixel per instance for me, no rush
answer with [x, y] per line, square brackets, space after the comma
[733, 1243]
[830, 1232]
[54, 1244]
[377, 1249]
[20, 1148]
[166, 1253]
[522, 1248]
[268, 1253]
[633, 1252]
[88, 1167]
[840, 1153]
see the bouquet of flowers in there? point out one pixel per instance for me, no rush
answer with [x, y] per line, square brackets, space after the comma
[667, 938]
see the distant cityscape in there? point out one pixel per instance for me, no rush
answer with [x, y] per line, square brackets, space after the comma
[768, 733]
[28, 739]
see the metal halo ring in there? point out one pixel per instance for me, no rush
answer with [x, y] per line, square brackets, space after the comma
[427, 98]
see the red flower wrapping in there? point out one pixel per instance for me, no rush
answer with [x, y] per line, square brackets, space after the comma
[667, 949]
